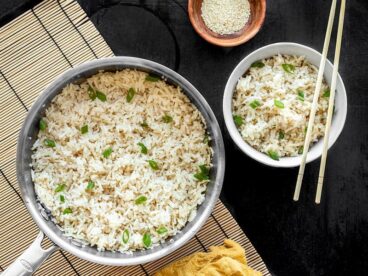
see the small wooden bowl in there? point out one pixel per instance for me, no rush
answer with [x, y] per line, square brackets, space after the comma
[256, 19]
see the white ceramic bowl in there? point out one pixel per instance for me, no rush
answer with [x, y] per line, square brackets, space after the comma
[313, 57]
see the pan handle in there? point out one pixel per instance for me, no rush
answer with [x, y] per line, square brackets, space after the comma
[31, 259]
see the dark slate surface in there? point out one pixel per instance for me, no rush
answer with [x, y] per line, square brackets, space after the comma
[293, 238]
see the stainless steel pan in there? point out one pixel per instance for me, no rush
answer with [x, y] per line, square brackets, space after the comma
[33, 257]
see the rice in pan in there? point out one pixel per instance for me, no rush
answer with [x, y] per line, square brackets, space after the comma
[272, 102]
[121, 160]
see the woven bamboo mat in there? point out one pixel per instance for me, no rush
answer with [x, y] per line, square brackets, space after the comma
[34, 49]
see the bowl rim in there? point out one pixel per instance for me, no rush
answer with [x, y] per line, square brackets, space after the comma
[224, 41]
[49, 228]
[284, 162]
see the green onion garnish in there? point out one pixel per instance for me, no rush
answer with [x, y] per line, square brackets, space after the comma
[153, 164]
[126, 236]
[326, 93]
[94, 93]
[144, 124]
[144, 149]
[288, 68]
[91, 93]
[90, 185]
[140, 200]
[101, 96]
[238, 120]
[67, 211]
[279, 104]
[60, 188]
[300, 151]
[167, 119]
[274, 155]
[301, 95]
[84, 129]
[281, 134]
[206, 139]
[62, 198]
[147, 240]
[152, 78]
[161, 230]
[42, 125]
[107, 152]
[49, 143]
[257, 64]
[254, 104]
[203, 173]
[130, 95]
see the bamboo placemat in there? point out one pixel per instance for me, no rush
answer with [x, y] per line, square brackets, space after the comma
[34, 49]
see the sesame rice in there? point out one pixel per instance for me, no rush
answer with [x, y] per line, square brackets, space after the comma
[272, 102]
[122, 173]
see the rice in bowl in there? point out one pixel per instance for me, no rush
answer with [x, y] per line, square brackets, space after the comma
[272, 102]
[121, 160]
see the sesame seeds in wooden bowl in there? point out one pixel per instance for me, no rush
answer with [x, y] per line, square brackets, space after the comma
[226, 36]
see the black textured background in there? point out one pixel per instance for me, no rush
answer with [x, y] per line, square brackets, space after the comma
[293, 238]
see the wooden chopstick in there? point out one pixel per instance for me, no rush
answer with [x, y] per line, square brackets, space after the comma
[331, 102]
[315, 100]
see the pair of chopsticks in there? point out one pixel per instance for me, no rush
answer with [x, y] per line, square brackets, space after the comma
[315, 102]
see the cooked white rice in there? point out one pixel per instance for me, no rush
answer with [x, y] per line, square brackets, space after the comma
[270, 129]
[99, 216]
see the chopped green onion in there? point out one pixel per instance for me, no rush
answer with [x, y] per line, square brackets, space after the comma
[288, 68]
[84, 129]
[152, 78]
[204, 169]
[140, 200]
[91, 93]
[144, 149]
[326, 93]
[60, 188]
[161, 230]
[206, 139]
[62, 198]
[167, 119]
[107, 152]
[130, 95]
[94, 93]
[49, 143]
[305, 129]
[257, 64]
[101, 96]
[147, 240]
[274, 155]
[254, 104]
[144, 124]
[67, 211]
[126, 236]
[90, 185]
[203, 173]
[153, 164]
[42, 125]
[238, 120]
[281, 134]
[300, 151]
[279, 104]
[301, 95]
